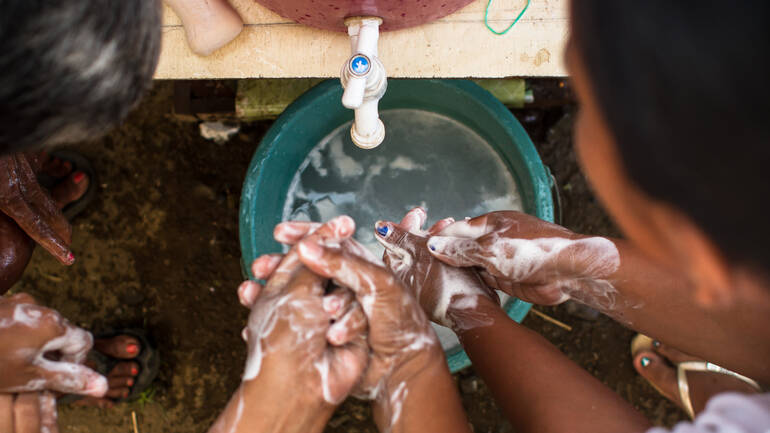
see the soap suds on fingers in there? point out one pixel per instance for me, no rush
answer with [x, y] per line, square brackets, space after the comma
[565, 268]
[451, 287]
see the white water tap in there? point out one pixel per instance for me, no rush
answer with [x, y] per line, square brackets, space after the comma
[365, 81]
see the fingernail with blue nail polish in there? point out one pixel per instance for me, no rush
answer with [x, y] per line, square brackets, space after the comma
[432, 247]
[383, 230]
[645, 361]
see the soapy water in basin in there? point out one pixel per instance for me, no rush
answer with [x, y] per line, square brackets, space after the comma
[426, 160]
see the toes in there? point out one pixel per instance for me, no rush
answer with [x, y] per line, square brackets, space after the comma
[57, 168]
[101, 403]
[654, 368]
[121, 347]
[118, 382]
[673, 355]
[124, 369]
[117, 393]
[70, 189]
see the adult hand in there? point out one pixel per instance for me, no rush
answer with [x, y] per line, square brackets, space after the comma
[40, 350]
[402, 342]
[407, 373]
[31, 412]
[24, 200]
[449, 295]
[299, 346]
[532, 259]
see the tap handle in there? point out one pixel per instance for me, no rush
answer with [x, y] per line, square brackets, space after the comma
[356, 71]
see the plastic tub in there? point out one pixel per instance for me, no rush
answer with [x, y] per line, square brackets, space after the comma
[319, 111]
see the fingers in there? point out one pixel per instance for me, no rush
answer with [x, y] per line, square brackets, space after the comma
[306, 281]
[48, 415]
[440, 225]
[489, 280]
[366, 279]
[337, 229]
[26, 413]
[414, 220]
[6, 413]
[346, 365]
[264, 266]
[338, 302]
[394, 238]
[71, 378]
[401, 247]
[291, 232]
[470, 228]
[459, 252]
[499, 283]
[33, 209]
[248, 292]
[352, 325]
[74, 343]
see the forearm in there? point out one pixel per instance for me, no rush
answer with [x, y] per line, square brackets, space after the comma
[422, 401]
[649, 298]
[258, 408]
[539, 388]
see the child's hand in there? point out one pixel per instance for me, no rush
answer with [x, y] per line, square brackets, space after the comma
[304, 357]
[402, 341]
[403, 346]
[29, 336]
[292, 322]
[531, 259]
[449, 295]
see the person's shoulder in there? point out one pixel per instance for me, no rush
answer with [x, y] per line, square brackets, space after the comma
[729, 412]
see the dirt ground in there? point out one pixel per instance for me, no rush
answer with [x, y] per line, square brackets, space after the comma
[159, 250]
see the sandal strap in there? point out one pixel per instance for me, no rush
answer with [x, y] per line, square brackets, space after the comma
[684, 387]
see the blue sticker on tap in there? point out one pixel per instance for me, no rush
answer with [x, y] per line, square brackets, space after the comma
[360, 64]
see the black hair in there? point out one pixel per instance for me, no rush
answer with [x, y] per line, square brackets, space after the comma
[684, 87]
[72, 69]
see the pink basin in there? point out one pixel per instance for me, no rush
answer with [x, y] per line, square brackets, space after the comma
[396, 14]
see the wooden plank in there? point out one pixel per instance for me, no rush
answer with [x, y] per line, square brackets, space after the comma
[456, 46]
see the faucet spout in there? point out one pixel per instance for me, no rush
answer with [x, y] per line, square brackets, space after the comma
[365, 81]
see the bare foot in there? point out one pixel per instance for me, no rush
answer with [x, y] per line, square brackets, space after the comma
[659, 368]
[123, 375]
[208, 24]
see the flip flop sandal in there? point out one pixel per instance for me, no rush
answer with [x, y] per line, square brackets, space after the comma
[148, 360]
[643, 342]
[79, 163]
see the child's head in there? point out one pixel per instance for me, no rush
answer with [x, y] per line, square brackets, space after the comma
[674, 131]
[71, 70]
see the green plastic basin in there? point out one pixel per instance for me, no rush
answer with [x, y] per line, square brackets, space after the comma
[319, 111]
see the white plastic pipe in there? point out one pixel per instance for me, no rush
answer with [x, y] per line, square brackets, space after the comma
[363, 92]
[367, 131]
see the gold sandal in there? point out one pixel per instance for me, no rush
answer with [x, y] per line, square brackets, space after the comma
[643, 342]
